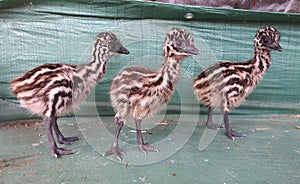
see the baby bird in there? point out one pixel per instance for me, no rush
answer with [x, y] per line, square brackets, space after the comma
[139, 91]
[51, 90]
[226, 84]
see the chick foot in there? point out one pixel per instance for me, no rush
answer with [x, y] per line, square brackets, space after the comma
[144, 148]
[116, 151]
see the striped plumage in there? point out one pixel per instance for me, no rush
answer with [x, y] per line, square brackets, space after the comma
[51, 90]
[140, 91]
[226, 84]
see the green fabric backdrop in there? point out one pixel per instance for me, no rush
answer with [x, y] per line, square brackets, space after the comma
[41, 32]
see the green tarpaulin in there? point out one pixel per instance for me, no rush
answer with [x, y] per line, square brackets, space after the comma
[60, 31]
[34, 33]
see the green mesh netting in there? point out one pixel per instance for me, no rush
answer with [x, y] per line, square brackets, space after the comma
[62, 31]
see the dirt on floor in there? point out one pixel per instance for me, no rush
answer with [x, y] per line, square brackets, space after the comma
[21, 123]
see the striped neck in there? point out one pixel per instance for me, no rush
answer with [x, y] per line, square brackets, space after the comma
[96, 68]
[170, 72]
[89, 74]
[261, 60]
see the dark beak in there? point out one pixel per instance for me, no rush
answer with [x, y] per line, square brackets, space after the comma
[191, 50]
[275, 46]
[122, 50]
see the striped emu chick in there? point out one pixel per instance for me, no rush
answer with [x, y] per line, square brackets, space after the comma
[138, 91]
[226, 84]
[51, 90]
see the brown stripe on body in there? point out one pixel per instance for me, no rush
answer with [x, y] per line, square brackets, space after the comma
[60, 94]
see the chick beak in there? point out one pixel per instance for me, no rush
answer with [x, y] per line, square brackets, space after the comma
[192, 50]
[123, 50]
[275, 46]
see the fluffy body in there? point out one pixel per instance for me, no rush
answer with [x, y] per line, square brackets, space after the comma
[140, 91]
[226, 84]
[51, 90]
[54, 89]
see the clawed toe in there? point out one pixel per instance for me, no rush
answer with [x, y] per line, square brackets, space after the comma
[144, 148]
[214, 126]
[60, 151]
[68, 140]
[231, 134]
[116, 151]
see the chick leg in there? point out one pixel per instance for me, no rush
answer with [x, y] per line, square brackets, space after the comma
[60, 137]
[209, 123]
[143, 147]
[114, 149]
[230, 133]
[55, 151]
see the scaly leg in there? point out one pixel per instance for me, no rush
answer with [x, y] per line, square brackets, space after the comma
[143, 147]
[114, 149]
[209, 123]
[230, 133]
[55, 151]
[60, 137]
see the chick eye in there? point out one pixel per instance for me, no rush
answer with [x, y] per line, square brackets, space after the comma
[112, 46]
[178, 43]
[265, 40]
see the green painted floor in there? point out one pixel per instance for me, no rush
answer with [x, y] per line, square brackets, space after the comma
[269, 154]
